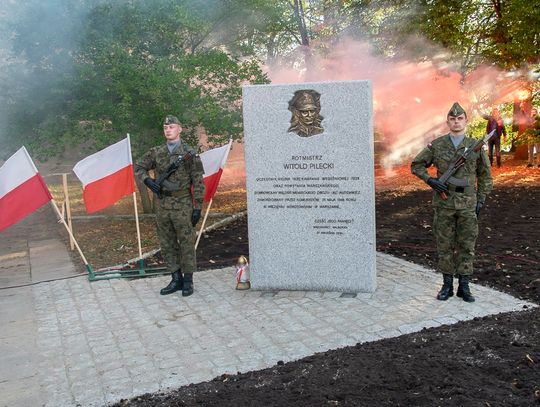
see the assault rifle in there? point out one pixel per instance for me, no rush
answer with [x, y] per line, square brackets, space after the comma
[448, 178]
[170, 169]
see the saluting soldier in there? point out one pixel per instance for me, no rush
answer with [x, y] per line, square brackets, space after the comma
[179, 209]
[455, 224]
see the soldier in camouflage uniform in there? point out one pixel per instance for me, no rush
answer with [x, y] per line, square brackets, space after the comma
[455, 224]
[179, 209]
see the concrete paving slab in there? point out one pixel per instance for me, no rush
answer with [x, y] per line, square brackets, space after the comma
[12, 248]
[19, 357]
[13, 278]
[14, 265]
[49, 259]
[16, 393]
[120, 338]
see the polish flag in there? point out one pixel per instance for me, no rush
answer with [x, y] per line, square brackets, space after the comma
[106, 176]
[22, 190]
[213, 162]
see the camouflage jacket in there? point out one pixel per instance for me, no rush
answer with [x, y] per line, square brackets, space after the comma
[477, 171]
[188, 175]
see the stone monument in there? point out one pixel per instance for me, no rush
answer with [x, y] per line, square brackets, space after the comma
[310, 186]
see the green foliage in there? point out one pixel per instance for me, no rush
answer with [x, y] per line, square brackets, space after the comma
[516, 34]
[532, 134]
[132, 71]
[89, 71]
[503, 32]
[130, 65]
[477, 129]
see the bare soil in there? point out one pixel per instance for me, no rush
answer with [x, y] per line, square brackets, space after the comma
[491, 361]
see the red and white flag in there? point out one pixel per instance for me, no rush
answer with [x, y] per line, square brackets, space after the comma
[106, 176]
[22, 190]
[213, 162]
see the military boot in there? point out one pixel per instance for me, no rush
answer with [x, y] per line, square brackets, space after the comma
[463, 290]
[447, 290]
[188, 285]
[176, 284]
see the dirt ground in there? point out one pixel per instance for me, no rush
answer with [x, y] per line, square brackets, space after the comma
[491, 361]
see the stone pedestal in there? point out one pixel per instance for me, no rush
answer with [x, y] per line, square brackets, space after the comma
[310, 186]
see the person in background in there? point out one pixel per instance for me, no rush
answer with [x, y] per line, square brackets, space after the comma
[456, 208]
[496, 123]
[179, 208]
[533, 130]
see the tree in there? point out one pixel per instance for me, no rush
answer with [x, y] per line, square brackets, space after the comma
[131, 63]
[38, 44]
[129, 74]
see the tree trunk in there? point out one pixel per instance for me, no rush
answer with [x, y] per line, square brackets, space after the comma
[145, 198]
[522, 110]
[304, 36]
[301, 22]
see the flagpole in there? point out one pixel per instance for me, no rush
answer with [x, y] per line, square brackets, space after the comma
[88, 267]
[136, 212]
[137, 223]
[68, 207]
[203, 223]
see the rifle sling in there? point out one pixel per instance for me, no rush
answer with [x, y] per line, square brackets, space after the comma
[173, 167]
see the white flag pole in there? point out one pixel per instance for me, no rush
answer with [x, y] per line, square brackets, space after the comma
[53, 202]
[68, 207]
[135, 206]
[203, 223]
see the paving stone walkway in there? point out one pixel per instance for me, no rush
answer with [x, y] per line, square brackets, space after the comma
[75, 343]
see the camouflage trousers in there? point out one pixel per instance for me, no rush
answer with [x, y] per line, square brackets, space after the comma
[455, 231]
[176, 236]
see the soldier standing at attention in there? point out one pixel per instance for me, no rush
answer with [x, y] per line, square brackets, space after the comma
[455, 224]
[179, 209]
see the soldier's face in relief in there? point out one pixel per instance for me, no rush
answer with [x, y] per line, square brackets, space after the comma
[307, 115]
[172, 132]
[457, 124]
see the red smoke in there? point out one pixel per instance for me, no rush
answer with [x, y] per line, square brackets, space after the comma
[411, 99]
[234, 173]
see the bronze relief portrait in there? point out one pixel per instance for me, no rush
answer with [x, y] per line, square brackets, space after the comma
[305, 107]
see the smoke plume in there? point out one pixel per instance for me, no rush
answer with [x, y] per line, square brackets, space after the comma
[411, 99]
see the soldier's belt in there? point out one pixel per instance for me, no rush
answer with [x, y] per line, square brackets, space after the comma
[177, 194]
[461, 190]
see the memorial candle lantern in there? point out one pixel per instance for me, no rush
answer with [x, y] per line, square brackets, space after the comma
[242, 274]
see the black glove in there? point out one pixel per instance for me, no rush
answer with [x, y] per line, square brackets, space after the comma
[195, 216]
[153, 185]
[437, 185]
[479, 205]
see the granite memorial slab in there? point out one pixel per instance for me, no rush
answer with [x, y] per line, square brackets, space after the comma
[310, 186]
